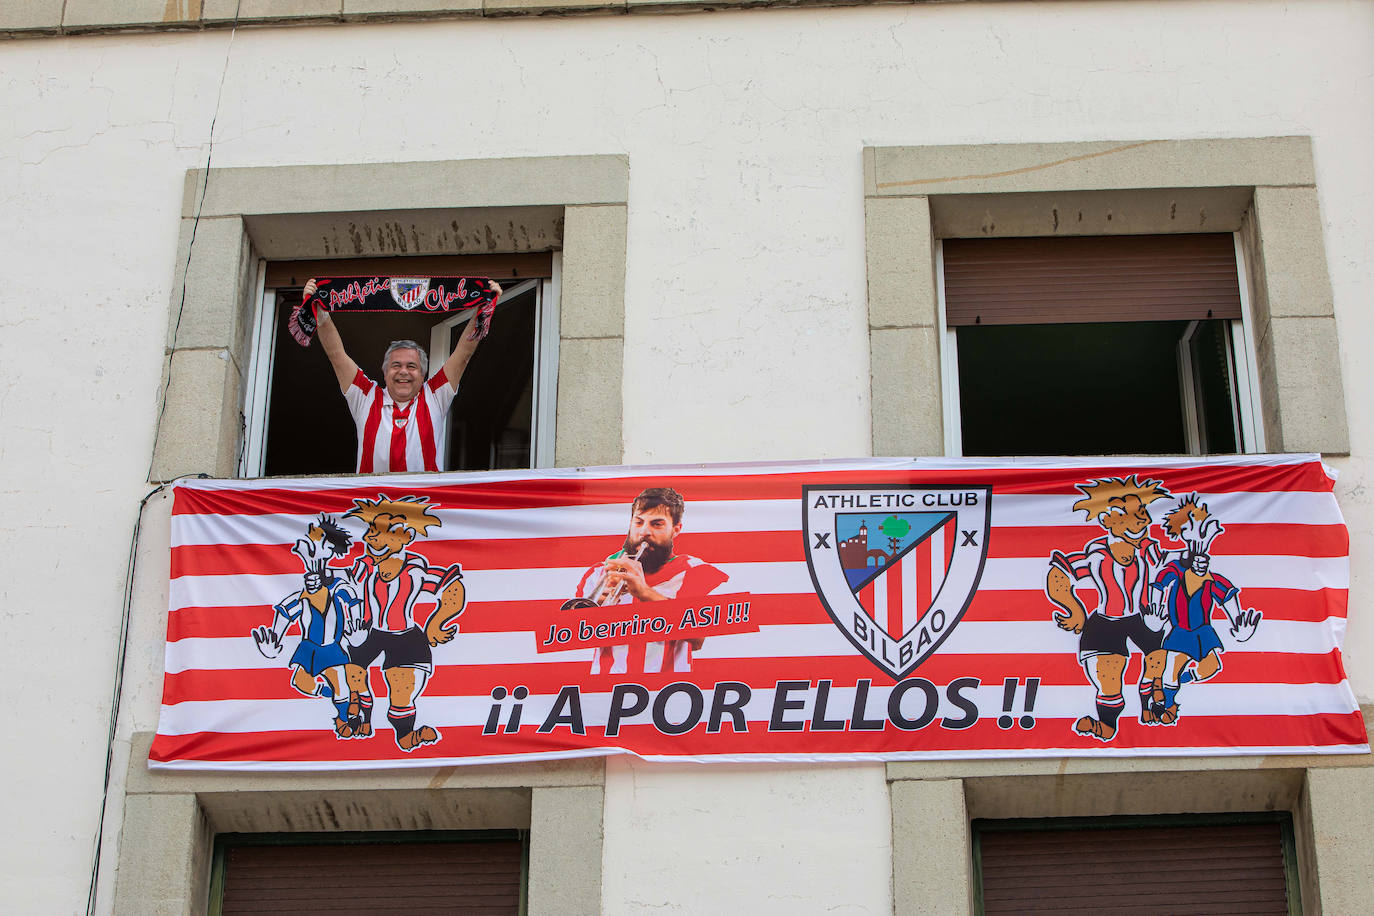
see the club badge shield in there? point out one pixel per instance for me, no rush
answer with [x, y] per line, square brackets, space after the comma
[409, 291]
[896, 566]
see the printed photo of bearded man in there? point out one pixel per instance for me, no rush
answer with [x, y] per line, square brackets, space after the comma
[647, 568]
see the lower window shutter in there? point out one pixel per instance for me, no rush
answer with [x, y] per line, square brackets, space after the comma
[1204, 868]
[475, 878]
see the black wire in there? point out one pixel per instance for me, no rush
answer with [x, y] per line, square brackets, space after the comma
[131, 568]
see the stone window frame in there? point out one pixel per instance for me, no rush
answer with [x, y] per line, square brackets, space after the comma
[171, 818]
[232, 219]
[1263, 189]
[934, 804]
[240, 217]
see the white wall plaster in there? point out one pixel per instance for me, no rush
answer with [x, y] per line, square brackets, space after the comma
[745, 320]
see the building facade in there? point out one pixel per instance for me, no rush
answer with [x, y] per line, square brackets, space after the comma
[734, 218]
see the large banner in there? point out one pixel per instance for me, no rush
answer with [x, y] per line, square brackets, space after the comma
[876, 609]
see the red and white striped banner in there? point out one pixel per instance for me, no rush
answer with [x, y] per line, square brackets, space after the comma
[875, 609]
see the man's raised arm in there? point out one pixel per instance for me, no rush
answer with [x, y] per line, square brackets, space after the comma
[345, 369]
[458, 360]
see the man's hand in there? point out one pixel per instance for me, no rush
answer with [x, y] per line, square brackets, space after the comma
[321, 314]
[481, 322]
[631, 572]
[268, 641]
[453, 600]
[345, 369]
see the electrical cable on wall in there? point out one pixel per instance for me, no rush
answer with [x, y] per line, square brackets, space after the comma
[120, 657]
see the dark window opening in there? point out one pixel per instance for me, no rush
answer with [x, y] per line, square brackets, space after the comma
[1139, 387]
[490, 424]
[309, 430]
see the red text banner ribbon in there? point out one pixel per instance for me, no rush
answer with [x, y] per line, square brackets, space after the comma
[649, 621]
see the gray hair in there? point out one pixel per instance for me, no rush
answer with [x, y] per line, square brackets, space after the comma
[406, 345]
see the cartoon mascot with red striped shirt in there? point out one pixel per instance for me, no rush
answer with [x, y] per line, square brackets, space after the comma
[390, 580]
[1120, 566]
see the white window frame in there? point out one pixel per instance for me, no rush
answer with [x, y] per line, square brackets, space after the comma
[1240, 356]
[256, 404]
[544, 403]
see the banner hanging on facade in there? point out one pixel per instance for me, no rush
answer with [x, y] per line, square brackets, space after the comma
[877, 609]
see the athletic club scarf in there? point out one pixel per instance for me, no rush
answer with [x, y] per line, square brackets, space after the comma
[392, 294]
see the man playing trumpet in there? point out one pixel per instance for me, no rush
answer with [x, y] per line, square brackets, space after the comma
[647, 569]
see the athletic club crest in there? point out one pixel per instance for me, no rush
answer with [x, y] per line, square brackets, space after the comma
[896, 566]
[409, 291]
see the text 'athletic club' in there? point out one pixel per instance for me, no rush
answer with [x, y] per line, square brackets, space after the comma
[896, 567]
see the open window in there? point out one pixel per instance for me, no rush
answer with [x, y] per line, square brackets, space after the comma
[1096, 345]
[503, 416]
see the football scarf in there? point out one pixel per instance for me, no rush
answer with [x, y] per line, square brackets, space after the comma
[394, 294]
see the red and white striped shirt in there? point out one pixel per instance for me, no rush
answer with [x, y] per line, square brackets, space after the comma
[1120, 589]
[390, 605]
[394, 438]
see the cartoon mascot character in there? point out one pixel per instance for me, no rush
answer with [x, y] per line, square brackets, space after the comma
[1189, 594]
[325, 612]
[1119, 566]
[390, 580]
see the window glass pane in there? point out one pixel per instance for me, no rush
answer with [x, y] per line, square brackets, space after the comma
[1215, 387]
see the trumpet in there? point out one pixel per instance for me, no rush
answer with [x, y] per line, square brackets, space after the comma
[610, 597]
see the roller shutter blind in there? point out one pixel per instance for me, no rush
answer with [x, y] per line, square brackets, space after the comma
[472, 877]
[1090, 279]
[1217, 868]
